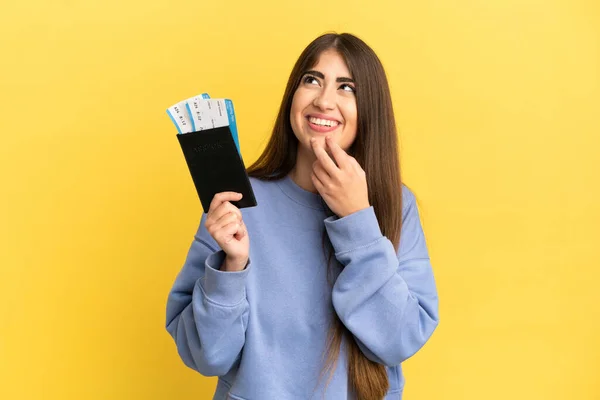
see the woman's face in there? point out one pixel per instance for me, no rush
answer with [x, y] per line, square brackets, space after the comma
[325, 104]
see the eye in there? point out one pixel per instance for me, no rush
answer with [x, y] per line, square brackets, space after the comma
[310, 80]
[348, 88]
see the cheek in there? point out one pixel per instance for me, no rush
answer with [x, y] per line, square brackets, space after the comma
[297, 109]
[350, 118]
[299, 101]
[350, 115]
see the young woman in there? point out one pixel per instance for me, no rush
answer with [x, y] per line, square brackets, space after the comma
[324, 288]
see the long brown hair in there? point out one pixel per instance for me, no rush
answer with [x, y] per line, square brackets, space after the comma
[376, 149]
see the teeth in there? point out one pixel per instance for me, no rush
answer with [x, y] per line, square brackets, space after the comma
[323, 122]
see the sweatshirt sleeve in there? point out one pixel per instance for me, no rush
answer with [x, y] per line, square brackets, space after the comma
[207, 309]
[387, 300]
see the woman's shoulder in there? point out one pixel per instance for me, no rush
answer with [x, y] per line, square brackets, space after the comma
[407, 195]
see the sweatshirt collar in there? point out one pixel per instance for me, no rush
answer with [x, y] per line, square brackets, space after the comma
[300, 195]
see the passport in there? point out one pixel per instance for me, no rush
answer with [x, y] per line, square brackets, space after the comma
[210, 147]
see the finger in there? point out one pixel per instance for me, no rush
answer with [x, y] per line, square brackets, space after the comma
[324, 158]
[320, 173]
[241, 232]
[226, 220]
[229, 219]
[229, 231]
[317, 182]
[339, 155]
[225, 208]
[216, 228]
[222, 197]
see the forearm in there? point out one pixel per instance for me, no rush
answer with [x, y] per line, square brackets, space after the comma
[386, 298]
[207, 315]
[375, 303]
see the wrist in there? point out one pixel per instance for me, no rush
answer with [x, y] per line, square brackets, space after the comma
[231, 264]
[354, 210]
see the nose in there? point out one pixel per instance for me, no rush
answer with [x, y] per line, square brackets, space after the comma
[325, 100]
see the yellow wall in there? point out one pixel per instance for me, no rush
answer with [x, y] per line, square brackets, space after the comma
[497, 103]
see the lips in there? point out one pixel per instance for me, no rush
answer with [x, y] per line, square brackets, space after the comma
[323, 117]
[322, 123]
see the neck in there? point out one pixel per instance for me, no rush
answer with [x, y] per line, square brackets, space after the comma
[302, 171]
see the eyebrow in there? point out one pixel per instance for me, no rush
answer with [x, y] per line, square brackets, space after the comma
[321, 76]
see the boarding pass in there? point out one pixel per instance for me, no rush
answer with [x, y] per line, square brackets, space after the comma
[200, 112]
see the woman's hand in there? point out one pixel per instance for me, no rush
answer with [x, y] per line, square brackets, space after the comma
[224, 223]
[342, 186]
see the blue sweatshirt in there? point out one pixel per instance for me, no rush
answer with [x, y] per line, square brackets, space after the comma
[263, 330]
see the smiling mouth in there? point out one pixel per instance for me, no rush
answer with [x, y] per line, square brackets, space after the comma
[325, 123]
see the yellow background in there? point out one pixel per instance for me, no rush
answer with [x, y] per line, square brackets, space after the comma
[497, 104]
